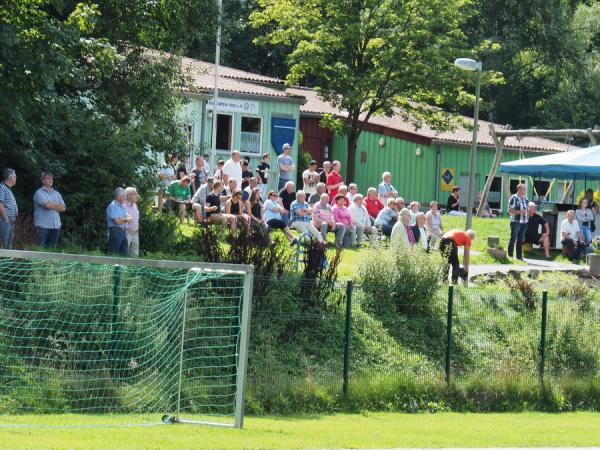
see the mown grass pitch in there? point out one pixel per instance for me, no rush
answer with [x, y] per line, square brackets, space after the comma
[380, 430]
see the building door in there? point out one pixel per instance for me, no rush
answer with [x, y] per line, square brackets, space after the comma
[316, 139]
[224, 131]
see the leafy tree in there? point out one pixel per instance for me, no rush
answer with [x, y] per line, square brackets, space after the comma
[575, 99]
[89, 111]
[368, 57]
[534, 48]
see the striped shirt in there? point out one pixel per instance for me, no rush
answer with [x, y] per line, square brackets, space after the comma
[520, 204]
[7, 198]
[295, 206]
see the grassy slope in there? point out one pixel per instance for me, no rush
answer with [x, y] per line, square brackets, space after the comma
[382, 430]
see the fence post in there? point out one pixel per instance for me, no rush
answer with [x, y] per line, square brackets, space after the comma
[449, 331]
[347, 331]
[115, 314]
[543, 335]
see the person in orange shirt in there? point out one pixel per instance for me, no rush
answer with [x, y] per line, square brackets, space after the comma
[449, 244]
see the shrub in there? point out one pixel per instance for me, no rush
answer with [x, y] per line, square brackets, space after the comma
[523, 291]
[405, 279]
[159, 233]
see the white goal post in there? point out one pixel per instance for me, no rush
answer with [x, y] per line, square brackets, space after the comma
[196, 315]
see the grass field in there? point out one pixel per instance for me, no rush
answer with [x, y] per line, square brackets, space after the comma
[381, 430]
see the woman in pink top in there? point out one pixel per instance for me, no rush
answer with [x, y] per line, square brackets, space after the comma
[343, 219]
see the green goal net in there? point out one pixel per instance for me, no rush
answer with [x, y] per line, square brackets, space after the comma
[144, 341]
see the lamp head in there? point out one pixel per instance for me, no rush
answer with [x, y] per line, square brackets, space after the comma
[468, 64]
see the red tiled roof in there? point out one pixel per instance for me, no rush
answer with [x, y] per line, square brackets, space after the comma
[461, 135]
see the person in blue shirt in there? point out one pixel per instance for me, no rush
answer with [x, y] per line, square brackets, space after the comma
[116, 218]
[47, 206]
[286, 166]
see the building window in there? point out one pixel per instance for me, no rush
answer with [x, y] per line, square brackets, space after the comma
[541, 190]
[188, 131]
[224, 132]
[250, 135]
[494, 198]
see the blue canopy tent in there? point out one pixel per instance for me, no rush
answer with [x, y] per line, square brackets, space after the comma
[582, 164]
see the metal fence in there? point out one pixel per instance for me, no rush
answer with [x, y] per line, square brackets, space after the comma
[354, 335]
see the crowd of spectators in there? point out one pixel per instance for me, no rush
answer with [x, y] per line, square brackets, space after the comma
[234, 196]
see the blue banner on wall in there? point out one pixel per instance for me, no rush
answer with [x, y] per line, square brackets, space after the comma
[283, 131]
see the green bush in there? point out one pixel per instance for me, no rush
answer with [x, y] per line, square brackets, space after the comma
[403, 279]
[159, 232]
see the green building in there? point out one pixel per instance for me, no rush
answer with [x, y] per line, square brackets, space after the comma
[425, 164]
[253, 113]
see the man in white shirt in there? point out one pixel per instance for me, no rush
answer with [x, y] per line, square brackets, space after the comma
[233, 168]
[572, 239]
[310, 177]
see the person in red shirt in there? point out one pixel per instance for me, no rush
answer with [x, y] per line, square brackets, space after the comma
[449, 244]
[334, 179]
[373, 204]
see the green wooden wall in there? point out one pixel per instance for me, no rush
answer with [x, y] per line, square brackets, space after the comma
[415, 176]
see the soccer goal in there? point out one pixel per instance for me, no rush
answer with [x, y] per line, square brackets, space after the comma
[130, 340]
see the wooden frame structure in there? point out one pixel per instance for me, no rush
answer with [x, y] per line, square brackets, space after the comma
[499, 136]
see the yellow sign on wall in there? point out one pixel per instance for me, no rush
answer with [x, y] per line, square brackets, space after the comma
[448, 176]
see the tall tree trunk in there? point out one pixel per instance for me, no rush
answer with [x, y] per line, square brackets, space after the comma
[353, 135]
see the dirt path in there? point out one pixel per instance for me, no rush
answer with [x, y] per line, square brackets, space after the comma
[532, 264]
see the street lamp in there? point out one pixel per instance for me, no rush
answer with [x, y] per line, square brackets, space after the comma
[472, 65]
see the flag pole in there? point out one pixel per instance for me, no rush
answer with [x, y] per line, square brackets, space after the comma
[216, 87]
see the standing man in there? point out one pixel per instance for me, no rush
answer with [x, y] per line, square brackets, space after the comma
[286, 166]
[449, 244]
[8, 208]
[517, 208]
[199, 174]
[262, 171]
[386, 189]
[207, 167]
[325, 172]
[133, 225]
[47, 206]
[233, 168]
[310, 177]
[538, 230]
[116, 219]
[334, 179]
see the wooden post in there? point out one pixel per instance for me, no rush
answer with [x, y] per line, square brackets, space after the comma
[499, 143]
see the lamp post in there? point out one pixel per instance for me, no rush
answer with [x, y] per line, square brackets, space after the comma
[472, 65]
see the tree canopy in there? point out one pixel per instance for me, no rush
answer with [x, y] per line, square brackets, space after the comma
[92, 111]
[368, 57]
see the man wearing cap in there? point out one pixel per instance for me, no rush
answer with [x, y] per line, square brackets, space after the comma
[286, 166]
[310, 178]
[116, 219]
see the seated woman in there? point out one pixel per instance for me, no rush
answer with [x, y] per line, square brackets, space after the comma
[402, 233]
[420, 231]
[235, 207]
[273, 216]
[435, 227]
[324, 221]
[485, 211]
[254, 206]
[387, 217]
[343, 219]
[360, 218]
[373, 204]
[212, 209]
[414, 210]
